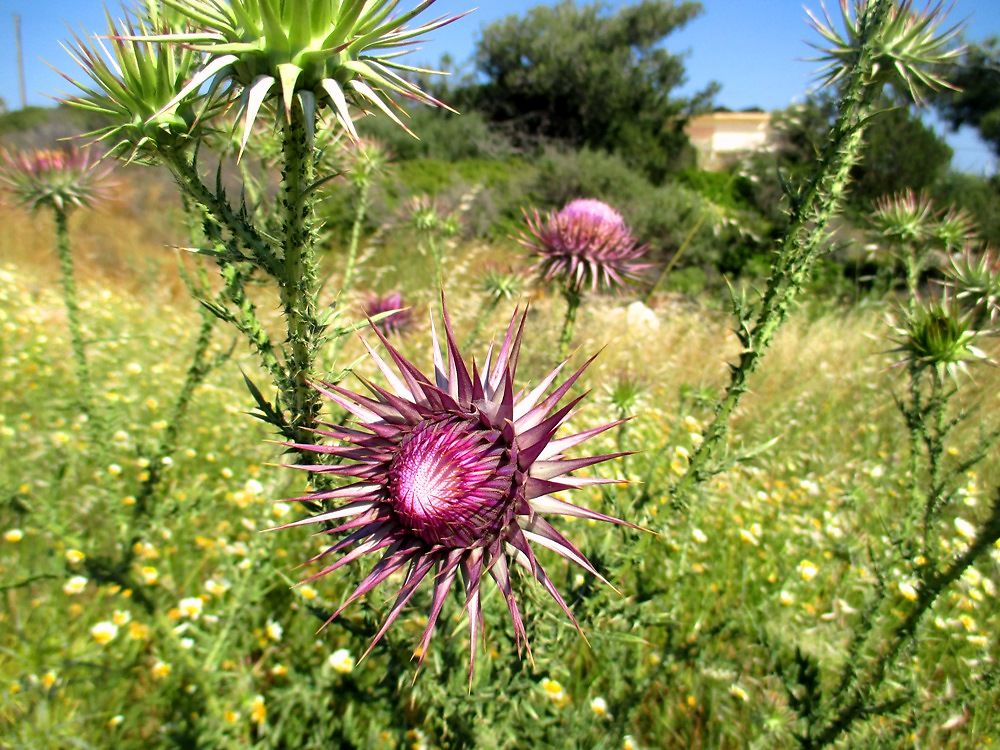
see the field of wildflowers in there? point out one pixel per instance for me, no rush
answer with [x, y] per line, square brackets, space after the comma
[211, 538]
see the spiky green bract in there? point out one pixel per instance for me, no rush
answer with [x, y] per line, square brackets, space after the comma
[954, 230]
[60, 179]
[937, 335]
[910, 50]
[501, 285]
[325, 53]
[453, 474]
[975, 277]
[905, 218]
[134, 85]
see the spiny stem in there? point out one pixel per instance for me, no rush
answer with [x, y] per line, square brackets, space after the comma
[360, 212]
[298, 278]
[856, 706]
[66, 277]
[572, 298]
[812, 209]
[197, 370]
[484, 315]
[219, 209]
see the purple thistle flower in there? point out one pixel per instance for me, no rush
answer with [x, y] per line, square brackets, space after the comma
[586, 244]
[396, 322]
[454, 476]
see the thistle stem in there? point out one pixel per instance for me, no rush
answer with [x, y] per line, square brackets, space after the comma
[215, 205]
[484, 315]
[360, 212]
[66, 278]
[812, 208]
[856, 704]
[572, 298]
[299, 275]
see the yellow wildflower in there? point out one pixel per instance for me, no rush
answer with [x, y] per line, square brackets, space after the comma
[341, 661]
[555, 692]
[13, 536]
[258, 710]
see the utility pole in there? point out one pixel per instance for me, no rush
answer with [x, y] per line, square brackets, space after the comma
[20, 61]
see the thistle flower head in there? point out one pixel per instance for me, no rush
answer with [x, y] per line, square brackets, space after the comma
[585, 244]
[323, 53]
[905, 218]
[500, 285]
[954, 230]
[909, 52]
[395, 317]
[938, 336]
[454, 474]
[59, 178]
[975, 278]
[363, 159]
[427, 216]
[133, 85]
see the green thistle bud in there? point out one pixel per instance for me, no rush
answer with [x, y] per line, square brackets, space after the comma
[976, 280]
[626, 394]
[333, 53]
[954, 230]
[134, 86]
[905, 218]
[501, 285]
[911, 49]
[937, 335]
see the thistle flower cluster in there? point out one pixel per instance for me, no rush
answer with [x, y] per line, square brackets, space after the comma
[60, 179]
[586, 244]
[453, 475]
[911, 48]
[325, 54]
[389, 312]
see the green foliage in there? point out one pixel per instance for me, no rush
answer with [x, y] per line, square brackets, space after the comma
[980, 196]
[976, 102]
[587, 77]
[443, 136]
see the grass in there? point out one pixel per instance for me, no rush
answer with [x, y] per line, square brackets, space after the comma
[778, 553]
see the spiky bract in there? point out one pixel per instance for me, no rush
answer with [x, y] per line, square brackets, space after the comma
[904, 219]
[955, 229]
[454, 475]
[389, 312]
[501, 285]
[133, 85]
[910, 53]
[587, 244]
[975, 277]
[937, 335]
[55, 178]
[324, 53]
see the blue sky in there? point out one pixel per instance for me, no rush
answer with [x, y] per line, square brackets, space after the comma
[755, 49]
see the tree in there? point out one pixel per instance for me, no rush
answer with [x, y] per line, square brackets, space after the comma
[588, 77]
[977, 102]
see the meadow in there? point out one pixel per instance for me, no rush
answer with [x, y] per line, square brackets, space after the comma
[212, 643]
[779, 497]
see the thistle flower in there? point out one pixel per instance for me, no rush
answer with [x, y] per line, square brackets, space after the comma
[937, 335]
[426, 216]
[586, 244]
[954, 230]
[976, 280]
[59, 179]
[501, 285]
[905, 218]
[332, 52]
[453, 474]
[134, 85]
[910, 53]
[397, 319]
